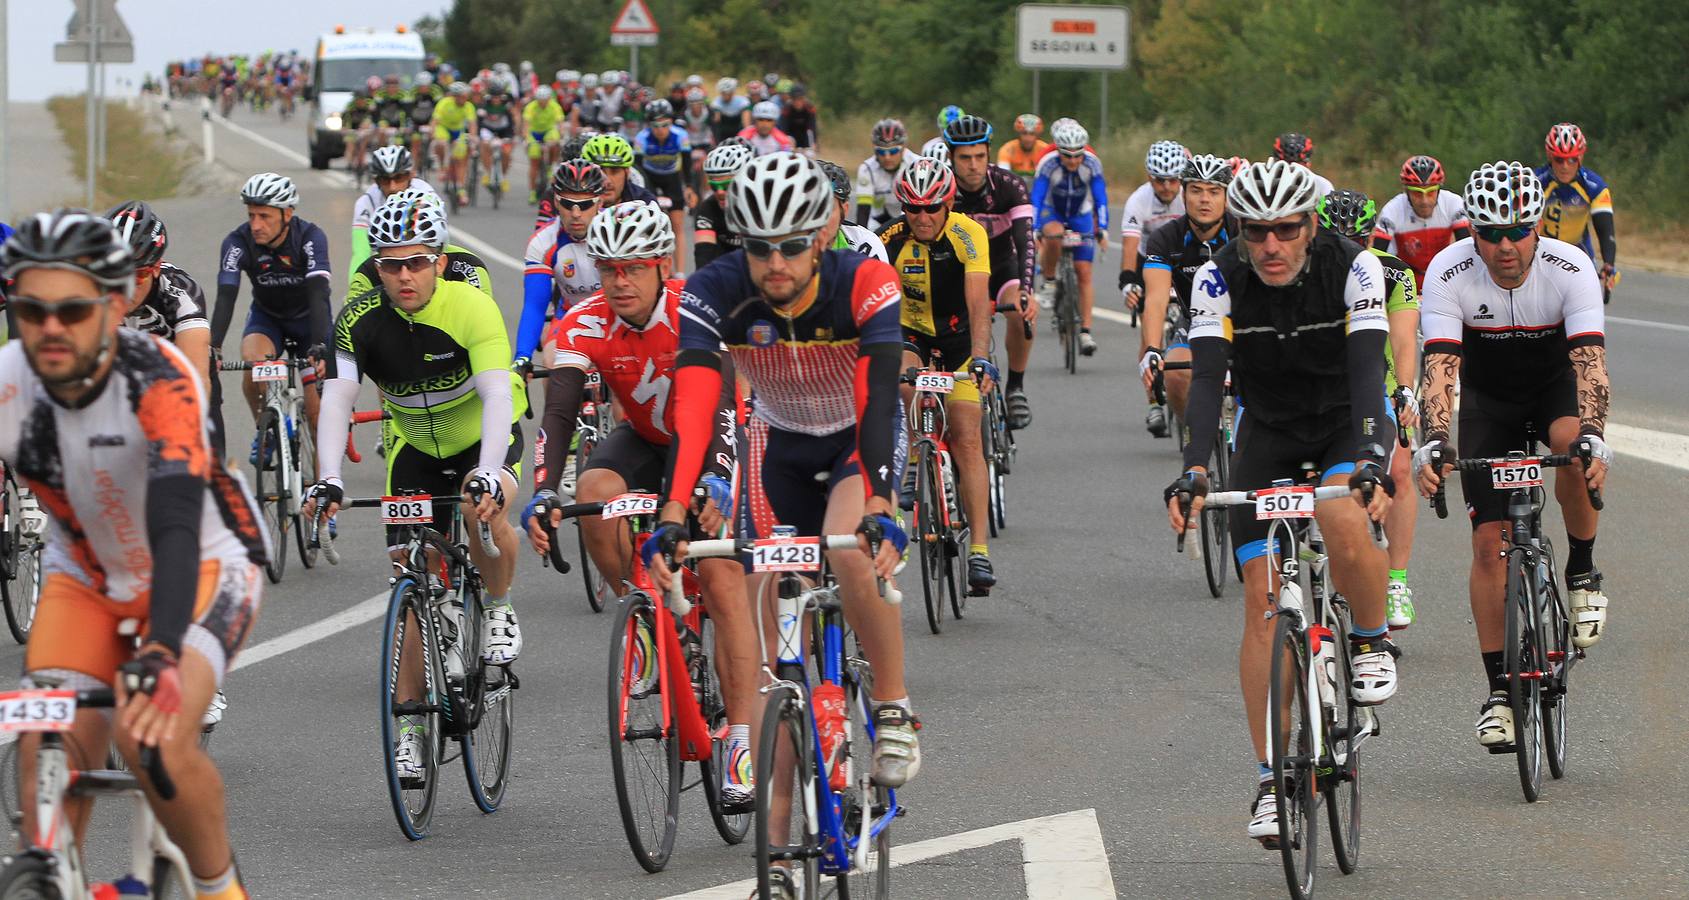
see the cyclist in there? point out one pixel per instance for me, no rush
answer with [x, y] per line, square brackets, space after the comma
[825, 380]
[1513, 320]
[997, 200]
[711, 235]
[1021, 155]
[729, 112]
[613, 154]
[876, 178]
[1418, 223]
[437, 351]
[764, 135]
[1155, 203]
[392, 111]
[454, 127]
[110, 431]
[1579, 205]
[695, 115]
[1352, 214]
[556, 264]
[542, 119]
[841, 233]
[630, 333]
[424, 97]
[1069, 194]
[393, 169]
[1172, 253]
[461, 264]
[1299, 148]
[1297, 315]
[944, 261]
[357, 123]
[286, 259]
[666, 159]
[798, 118]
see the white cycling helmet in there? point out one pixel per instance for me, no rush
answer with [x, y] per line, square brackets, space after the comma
[937, 149]
[424, 78]
[1503, 193]
[503, 68]
[611, 77]
[778, 194]
[727, 161]
[567, 75]
[1166, 159]
[408, 219]
[589, 80]
[767, 109]
[390, 160]
[694, 81]
[416, 194]
[631, 230]
[726, 84]
[270, 189]
[1272, 190]
[1069, 135]
[542, 93]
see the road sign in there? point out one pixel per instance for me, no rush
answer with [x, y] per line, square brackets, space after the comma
[647, 39]
[635, 18]
[1071, 37]
[117, 45]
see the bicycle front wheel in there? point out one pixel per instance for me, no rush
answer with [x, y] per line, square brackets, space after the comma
[787, 792]
[1524, 666]
[29, 876]
[488, 695]
[1340, 772]
[1216, 533]
[644, 758]
[305, 457]
[861, 796]
[1291, 746]
[598, 590]
[929, 528]
[20, 584]
[412, 792]
[1556, 627]
[731, 825]
[271, 493]
[1067, 314]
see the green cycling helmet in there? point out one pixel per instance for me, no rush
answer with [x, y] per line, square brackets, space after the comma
[1349, 213]
[609, 151]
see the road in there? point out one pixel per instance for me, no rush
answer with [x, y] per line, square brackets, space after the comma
[1099, 676]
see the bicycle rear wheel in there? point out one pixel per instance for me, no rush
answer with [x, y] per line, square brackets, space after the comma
[960, 536]
[644, 758]
[1524, 665]
[268, 488]
[1216, 534]
[598, 590]
[1340, 781]
[29, 876]
[929, 529]
[305, 457]
[732, 826]
[1067, 313]
[488, 696]
[786, 782]
[20, 583]
[874, 879]
[1557, 627]
[1291, 746]
[407, 617]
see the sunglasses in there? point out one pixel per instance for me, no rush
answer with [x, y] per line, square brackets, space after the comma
[31, 311]
[887, 151]
[1428, 189]
[1071, 154]
[577, 205]
[721, 185]
[625, 268]
[925, 209]
[789, 248]
[144, 272]
[392, 179]
[1493, 234]
[1256, 232]
[392, 265]
[1563, 159]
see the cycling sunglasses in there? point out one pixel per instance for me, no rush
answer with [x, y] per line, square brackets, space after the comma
[1493, 234]
[392, 265]
[887, 151]
[923, 208]
[31, 311]
[624, 268]
[789, 248]
[721, 185]
[577, 205]
[1427, 189]
[1256, 232]
[1071, 154]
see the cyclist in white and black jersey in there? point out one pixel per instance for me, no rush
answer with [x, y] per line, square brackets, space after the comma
[876, 179]
[712, 235]
[1155, 203]
[841, 233]
[392, 169]
[1516, 319]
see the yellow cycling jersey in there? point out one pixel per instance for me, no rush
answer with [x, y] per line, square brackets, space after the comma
[540, 118]
[934, 301]
[453, 114]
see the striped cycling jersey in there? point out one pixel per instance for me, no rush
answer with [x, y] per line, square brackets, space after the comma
[1569, 210]
[1060, 195]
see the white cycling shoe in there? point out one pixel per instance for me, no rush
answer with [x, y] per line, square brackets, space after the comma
[407, 755]
[1589, 609]
[1263, 821]
[1373, 669]
[1495, 721]
[214, 712]
[897, 746]
[501, 640]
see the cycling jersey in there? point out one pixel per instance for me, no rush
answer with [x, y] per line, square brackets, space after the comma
[764, 144]
[698, 131]
[393, 108]
[1512, 342]
[1570, 211]
[801, 125]
[933, 273]
[554, 266]
[539, 119]
[1078, 199]
[5, 232]
[496, 114]
[358, 113]
[855, 238]
[708, 217]
[289, 281]
[1173, 247]
[637, 364]
[728, 116]
[173, 304]
[668, 156]
[876, 188]
[1144, 212]
[452, 114]
[423, 101]
[610, 101]
[370, 201]
[1414, 240]
[461, 265]
[1022, 162]
[1002, 208]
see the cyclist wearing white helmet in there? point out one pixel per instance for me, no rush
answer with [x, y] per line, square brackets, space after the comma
[730, 113]
[1297, 316]
[1154, 203]
[764, 134]
[876, 177]
[711, 235]
[1070, 194]
[1514, 319]
[542, 119]
[392, 169]
[461, 264]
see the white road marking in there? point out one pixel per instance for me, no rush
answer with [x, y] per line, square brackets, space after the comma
[1644, 323]
[1063, 856]
[351, 617]
[1663, 447]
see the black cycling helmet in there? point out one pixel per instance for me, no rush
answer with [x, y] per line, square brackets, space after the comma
[577, 176]
[659, 109]
[143, 229]
[75, 240]
[1293, 147]
[967, 130]
[1349, 213]
[839, 177]
[572, 147]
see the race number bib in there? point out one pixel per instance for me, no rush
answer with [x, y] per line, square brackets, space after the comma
[1071, 239]
[37, 710]
[1516, 473]
[269, 371]
[786, 554]
[630, 505]
[1294, 502]
[936, 382]
[415, 509]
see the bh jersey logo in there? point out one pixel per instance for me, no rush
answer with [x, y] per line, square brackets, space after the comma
[762, 333]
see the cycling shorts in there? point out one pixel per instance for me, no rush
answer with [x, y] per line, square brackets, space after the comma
[1492, 427]
[792, 475]
[1264, 455]
[953, 353]
[506, 132]
[1086, 225]
[76, 626]
[1180, 339]
[643, 466]
[294, 336]
[449, 135]
[410, 470]
[1005, 282]
[669, 188]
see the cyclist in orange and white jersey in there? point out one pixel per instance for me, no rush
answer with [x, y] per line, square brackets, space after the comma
[1021, 155]
[1423, 219]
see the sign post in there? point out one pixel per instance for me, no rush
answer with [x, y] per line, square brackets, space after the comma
[1072, 37]
[634, 27]
[96, 35]
[6, 212]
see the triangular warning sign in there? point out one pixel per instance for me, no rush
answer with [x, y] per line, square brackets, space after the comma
[635, 18]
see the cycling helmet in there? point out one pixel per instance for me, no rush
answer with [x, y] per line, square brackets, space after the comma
[589, 80]
[459, 89]
[1349, 213]
[612, 151]
[659, 109]
[727, 160]
[372, 84]
[771, 78]
[143, 229]
[75, 240]
[631, 230]
[949, 114]
[424, 79]
[1166, 159]
[737, 141]
[408, 221]
[726, 84]
[577, 176]
[1293, 147]
[610, 78]
[781, 193]
[695, 95]
[1503, 193]
[1069, 135]
[543, 94]
[783, 86]
[1422, 171]
[1566, 139]
[1027, 123]
[889, 133]
[936, 149]
[270, 189]
[839, 178]
[574, 145]
[798, 89]
[416, 194]
[694, 81]
[1205, 167]
[967, 130]
[1271, 190]
[386, 162]
[525, 66]
[924, 182]
[767, 109]
[1237, 163]
[566, 76]
[502, 68]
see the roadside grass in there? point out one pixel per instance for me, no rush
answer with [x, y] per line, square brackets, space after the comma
[141, 164]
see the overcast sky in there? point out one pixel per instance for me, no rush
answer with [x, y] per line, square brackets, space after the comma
[174, 29]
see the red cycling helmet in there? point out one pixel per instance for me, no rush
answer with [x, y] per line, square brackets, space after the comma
[1422, 171]
[926, 182]
[1566, 140]
[1293, 147]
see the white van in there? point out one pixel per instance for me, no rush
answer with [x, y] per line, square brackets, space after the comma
[346, 58]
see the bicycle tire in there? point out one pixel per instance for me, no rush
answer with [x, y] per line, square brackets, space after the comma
[1524, 695]
[633, 655]
[1557, 624]
[1288, 705]
[29, 876]
[305, 458]
[597, 586]
[786, 723]
[488, 698]
[1215, 528]
[267, 487]
[167, 883]
[413, 805]
[732, 826]
[961, 535]
[874, 882]
[1069, 288]
[20, 587]
[929, 527]
[1342, 786]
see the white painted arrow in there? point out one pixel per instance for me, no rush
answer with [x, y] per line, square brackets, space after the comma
[1063, 856]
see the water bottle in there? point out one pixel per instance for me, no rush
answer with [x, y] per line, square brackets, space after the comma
[130, 886]
[950, 497]
[834, 724]
[1325, 663]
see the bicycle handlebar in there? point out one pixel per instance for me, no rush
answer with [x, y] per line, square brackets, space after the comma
[1015, 306]
[151, 760]
[359, 418]
[730, 547]
[569, 511]
[1439, 501]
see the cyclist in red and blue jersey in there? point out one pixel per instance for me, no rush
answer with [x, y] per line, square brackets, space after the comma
[557, 270]
[1069, 193]
[1578, 206]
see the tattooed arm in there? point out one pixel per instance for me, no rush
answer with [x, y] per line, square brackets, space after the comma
[1595, 390]
[1436, 403]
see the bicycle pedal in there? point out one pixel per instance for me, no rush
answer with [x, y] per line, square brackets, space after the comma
[1501, 749]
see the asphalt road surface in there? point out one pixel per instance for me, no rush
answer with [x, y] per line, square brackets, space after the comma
[1098, 677]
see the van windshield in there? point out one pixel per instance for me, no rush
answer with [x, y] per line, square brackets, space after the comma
[350, 74]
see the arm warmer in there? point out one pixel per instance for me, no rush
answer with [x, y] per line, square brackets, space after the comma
[1025, 250]
[334, 422]
[223, 313]
[563, 389]
[536, 296]
[318, 301]
[1367, 413]
[863, 211]
[498, 411]
[697, 382]
[1210, 357]
[1604, 237]
[876, 415]
[175, 505]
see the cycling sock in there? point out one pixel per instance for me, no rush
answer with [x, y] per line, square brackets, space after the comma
[1016, 380]
[1399, 576]
[901, 702]
[1357, 633]
[739, 734]
[1581, 559]
[498, 602]
[226, 886]
[1264, 770]
[1083, 330]
[1492, 667]
[978, 550]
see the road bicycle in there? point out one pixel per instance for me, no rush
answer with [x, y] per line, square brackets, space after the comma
[496, 174]
[941, 528]
[287, 458]
[23, 535]
[593, 423]
[1214, 531]
[1538, 651]
[998, 443]
[1067, 300]
[1315, 729]
[810, 757]
[432, 632]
